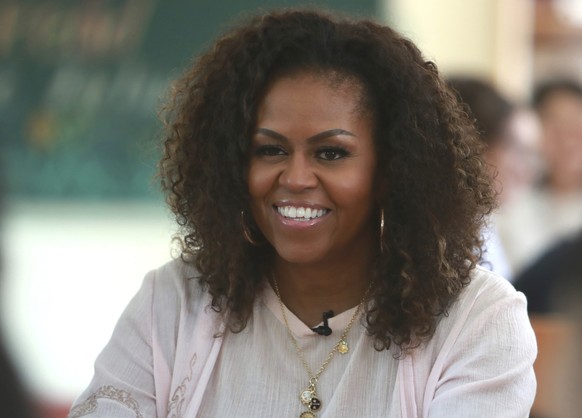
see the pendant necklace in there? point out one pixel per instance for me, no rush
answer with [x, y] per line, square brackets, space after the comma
[308, 396]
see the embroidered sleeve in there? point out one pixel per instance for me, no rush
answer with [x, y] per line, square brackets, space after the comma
[106, 392]
[124, 373]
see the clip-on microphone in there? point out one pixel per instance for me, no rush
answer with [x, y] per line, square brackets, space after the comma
[324, 329]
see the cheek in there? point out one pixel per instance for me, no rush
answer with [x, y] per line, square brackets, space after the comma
[255, 182]
[355, 190]
[258, 188]
[260, 182]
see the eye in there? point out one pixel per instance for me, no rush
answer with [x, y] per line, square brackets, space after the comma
[269, 151]
[330, 154]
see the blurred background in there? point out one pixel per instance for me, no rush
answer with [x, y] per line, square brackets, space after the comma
[83, 220]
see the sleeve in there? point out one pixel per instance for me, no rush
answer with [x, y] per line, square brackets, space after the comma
[488, 371]
[123, 384]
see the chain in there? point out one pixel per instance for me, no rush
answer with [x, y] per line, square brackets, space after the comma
[313, 378]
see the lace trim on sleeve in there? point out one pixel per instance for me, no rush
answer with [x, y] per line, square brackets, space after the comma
[105, 392]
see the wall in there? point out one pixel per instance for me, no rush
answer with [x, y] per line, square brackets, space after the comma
[487, 38]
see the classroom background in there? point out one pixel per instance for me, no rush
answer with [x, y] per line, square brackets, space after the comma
[83, 219]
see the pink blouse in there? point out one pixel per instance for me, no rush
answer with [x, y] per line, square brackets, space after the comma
[164, 360]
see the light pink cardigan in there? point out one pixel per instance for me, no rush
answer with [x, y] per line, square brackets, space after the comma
[163, 351]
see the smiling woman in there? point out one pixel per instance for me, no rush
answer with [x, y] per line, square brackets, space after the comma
[314, 151]
[331, 193]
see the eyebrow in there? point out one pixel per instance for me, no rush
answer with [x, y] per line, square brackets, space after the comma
[322, 135]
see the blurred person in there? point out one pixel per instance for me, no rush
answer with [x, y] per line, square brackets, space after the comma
[552, 210]
[15, 401]
[553, 283]
[559, 104]
[553, 287]
[510, 133]
[331, 195]
[552, 277]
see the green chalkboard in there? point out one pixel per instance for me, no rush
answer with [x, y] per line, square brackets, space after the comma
[81, 82]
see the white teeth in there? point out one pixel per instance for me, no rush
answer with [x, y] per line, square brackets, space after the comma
[300, 212]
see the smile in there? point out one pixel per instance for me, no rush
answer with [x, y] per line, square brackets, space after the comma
[300, 213]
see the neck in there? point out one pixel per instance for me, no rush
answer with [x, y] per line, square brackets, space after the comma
[308, 290]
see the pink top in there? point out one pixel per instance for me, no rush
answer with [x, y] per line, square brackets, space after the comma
[163, 360]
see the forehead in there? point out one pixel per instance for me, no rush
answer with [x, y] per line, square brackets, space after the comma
[316, 86]
[307, 99]
[300, 108]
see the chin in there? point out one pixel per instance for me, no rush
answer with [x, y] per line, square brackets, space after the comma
[295, 258]
[299, 255]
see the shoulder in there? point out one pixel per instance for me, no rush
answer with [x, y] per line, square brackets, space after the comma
[489, 304]
[487, 295]
[481, 355]
[174, 272]
[486, 288]
[175, 279]
[173, 287]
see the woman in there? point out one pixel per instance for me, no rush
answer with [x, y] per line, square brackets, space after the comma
[331, 197]
[552, 210]
[510, 134]
[509, 131]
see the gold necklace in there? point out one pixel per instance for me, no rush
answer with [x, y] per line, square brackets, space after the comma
[309, 395]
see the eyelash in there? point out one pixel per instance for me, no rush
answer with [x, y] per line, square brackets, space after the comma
[275, 151]
[269, 151]
[338, 153]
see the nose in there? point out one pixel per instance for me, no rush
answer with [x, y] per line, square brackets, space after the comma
[298, 174]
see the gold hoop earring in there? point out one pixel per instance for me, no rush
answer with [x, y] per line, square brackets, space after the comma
[245, 230]
[382, 230]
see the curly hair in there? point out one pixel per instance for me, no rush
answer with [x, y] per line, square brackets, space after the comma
[434, 189]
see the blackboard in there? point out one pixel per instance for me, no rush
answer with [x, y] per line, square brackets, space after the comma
[81, 83]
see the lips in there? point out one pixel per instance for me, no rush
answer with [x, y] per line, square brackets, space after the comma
[301, 213]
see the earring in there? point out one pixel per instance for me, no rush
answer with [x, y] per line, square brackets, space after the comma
[382, 230]
[246, 231]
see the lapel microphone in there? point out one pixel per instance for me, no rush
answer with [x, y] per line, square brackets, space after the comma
[324, 329]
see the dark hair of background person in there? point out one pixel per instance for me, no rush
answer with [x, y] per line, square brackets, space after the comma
[546, 89]
[489, 109]
[431, 179]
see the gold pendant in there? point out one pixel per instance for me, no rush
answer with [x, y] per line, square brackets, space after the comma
[315, 404]
[343, 347]
[308, 414]
[306, 396]
[309, 398]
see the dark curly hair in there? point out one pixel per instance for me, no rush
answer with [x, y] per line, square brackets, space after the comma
[433, 186]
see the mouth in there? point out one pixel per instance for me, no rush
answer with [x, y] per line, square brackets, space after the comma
[300, 213]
